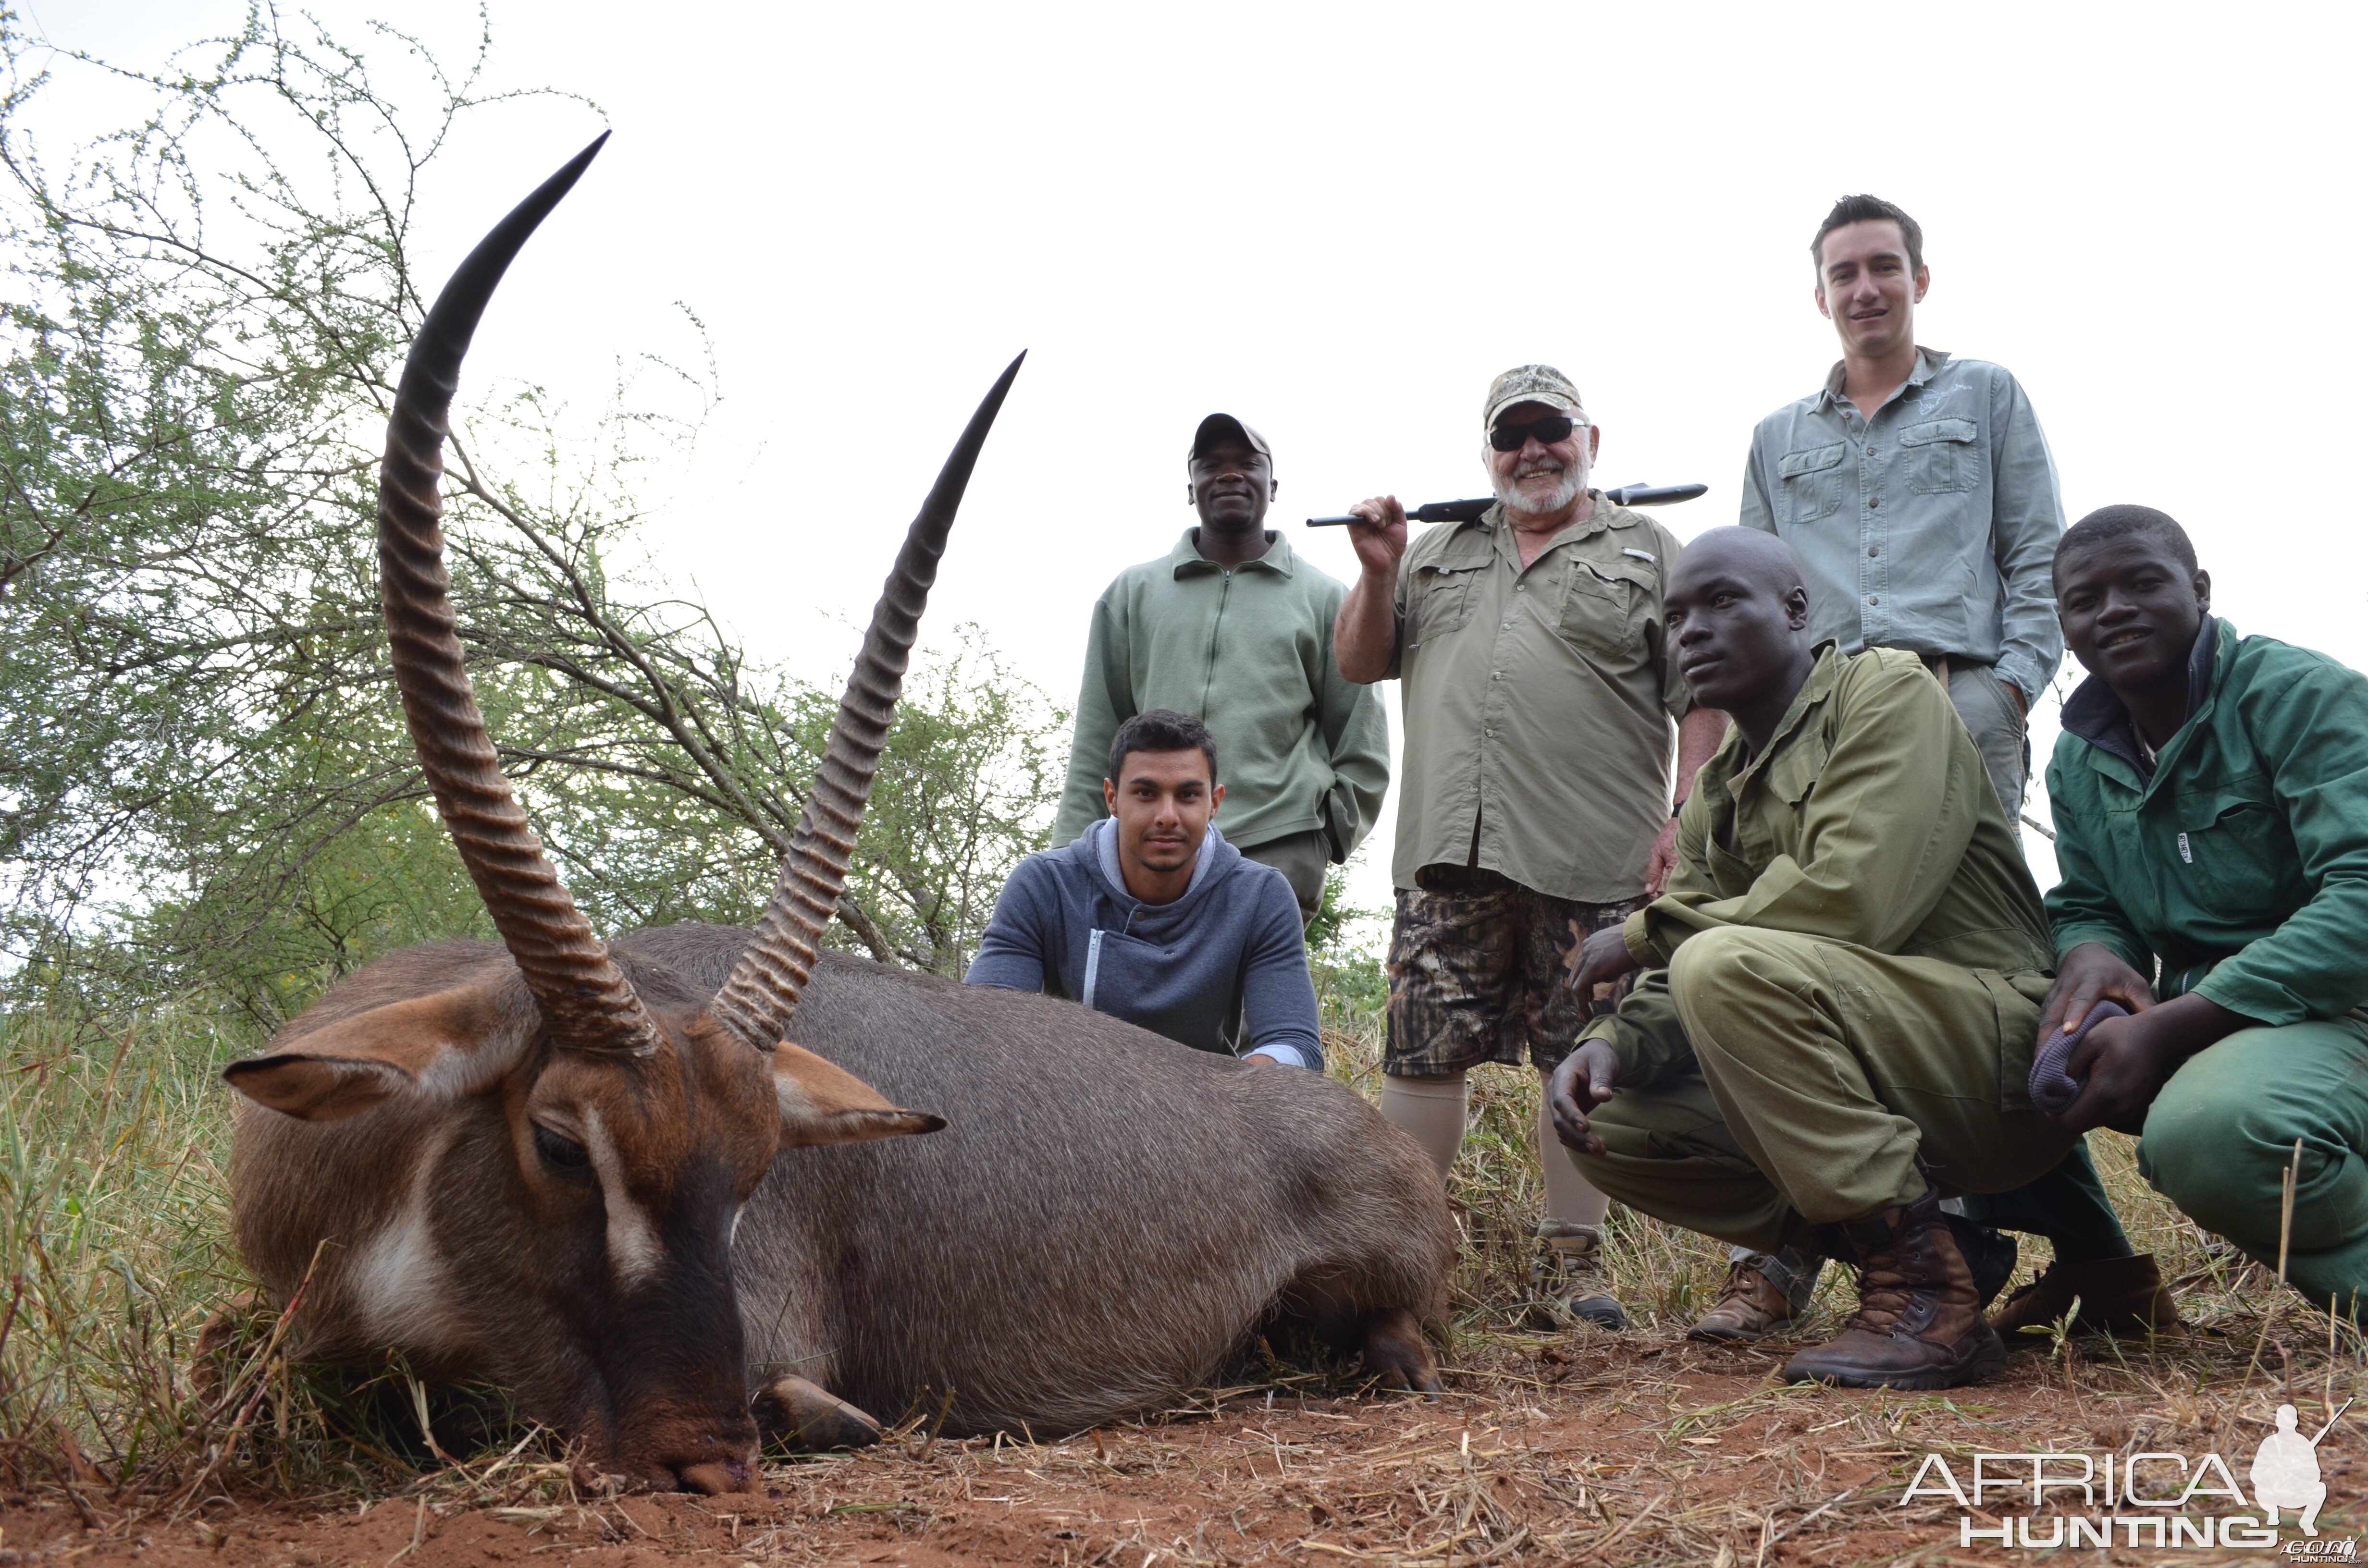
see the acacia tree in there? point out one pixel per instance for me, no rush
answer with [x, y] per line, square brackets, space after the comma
[204, 780]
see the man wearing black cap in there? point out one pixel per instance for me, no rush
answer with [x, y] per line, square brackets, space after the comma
[1234, 629]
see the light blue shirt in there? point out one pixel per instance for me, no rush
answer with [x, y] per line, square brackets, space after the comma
[1931, 526]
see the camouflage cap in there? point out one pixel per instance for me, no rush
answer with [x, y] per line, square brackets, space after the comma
[1218, 426]
[1531, 383]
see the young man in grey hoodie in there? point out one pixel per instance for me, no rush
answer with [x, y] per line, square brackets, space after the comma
[1153, 917]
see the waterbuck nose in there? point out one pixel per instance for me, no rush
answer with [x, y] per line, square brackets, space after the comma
[718, 1476]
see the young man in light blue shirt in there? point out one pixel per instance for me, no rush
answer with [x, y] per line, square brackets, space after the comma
[1920, 493]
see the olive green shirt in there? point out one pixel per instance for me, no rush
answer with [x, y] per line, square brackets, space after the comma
[1538, 703]
[1869, 818]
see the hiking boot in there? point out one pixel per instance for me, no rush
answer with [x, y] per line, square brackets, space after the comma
[1763, 1298]
[1989, 1255]
[2117, 1295]
[1920, 1322]
[1574, 1273]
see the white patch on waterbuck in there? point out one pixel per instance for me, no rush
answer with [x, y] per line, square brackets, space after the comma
[633, 1249]
[399, 1280]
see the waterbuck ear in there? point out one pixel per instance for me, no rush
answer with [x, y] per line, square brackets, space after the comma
[823, 1104]
[343, 1068]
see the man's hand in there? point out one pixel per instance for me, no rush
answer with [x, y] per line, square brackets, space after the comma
[1382, 538]
[2127, 1061]
[1664, 861]
[2090, 973]
[2014, 695]
[1600, 959]
[1584, 1081]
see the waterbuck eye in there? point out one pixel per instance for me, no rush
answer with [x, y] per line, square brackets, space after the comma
[564, 1155]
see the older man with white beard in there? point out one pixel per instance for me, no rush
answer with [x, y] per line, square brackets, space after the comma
[1536, 797]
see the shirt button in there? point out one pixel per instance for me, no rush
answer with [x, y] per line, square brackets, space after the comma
[1496, 675]
[1872, 600]
[1520, 587]
[1875, 501]
[1874, 549]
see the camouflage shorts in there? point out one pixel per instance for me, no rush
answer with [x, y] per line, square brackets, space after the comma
[1476, 973]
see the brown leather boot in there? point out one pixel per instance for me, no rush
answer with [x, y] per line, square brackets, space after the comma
[1753, 1305]
[1920, 1320]
[2118, 1295]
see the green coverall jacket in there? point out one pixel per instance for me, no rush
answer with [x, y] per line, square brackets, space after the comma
[2242, 864]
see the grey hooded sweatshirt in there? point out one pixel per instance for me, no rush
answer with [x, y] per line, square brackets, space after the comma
[1231, 947]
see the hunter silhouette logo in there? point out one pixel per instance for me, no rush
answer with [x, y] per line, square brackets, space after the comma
[2285, 1470]
[2158, 1500]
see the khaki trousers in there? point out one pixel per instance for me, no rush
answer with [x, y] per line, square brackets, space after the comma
[1832, 1082]
[1302, 858]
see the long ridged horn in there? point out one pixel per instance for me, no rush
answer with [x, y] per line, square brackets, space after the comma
[585, 1000]
[762, 991]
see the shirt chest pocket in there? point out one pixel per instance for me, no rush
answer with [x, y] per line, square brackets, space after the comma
[2234, 848]
[1438, 601]
[1810, 482]
[1605, 606]
[1941, 456]
[1785, 788]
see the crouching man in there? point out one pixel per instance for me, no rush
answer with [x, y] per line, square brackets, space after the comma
[1844, 980]
[2210, 801]
[1152, 916]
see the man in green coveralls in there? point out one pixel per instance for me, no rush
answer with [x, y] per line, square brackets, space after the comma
[2211, 802]
[1843, 980]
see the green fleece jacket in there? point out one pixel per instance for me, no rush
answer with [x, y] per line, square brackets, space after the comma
[1248, 653]
[2239, 858]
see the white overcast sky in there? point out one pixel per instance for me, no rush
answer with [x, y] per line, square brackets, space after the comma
[1340, 221]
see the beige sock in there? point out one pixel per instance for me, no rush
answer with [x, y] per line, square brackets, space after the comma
[1570, 1197]
[1431, 1110]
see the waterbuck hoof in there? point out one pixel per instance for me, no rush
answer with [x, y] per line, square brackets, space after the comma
[1397, 1354]
[797, 1415]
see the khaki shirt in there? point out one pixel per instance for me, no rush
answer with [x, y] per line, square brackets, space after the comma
[1537, 703]
[1869, 818]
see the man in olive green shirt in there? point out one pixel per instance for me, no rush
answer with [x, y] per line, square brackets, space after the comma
[2211, 802]
[1234, 629]
[1539, 695]
[1844, 980]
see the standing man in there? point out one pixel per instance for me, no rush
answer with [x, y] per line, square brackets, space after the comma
[1233, 629]
[1919, 492]
[1538, 699]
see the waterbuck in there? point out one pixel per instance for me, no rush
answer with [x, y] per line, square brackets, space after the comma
[600, 1176]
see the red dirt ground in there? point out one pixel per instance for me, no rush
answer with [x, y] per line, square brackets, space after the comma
[1581, 1449]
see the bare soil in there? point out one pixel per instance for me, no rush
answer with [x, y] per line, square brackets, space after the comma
[1579, 1447]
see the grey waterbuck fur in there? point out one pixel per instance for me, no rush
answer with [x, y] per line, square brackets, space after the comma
[599, 1175]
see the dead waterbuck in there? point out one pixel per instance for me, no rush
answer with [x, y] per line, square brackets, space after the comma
[598, 1177]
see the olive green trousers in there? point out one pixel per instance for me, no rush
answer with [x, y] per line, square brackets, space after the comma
[1830, 1083]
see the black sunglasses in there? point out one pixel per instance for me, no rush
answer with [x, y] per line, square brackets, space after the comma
[1511, 437]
